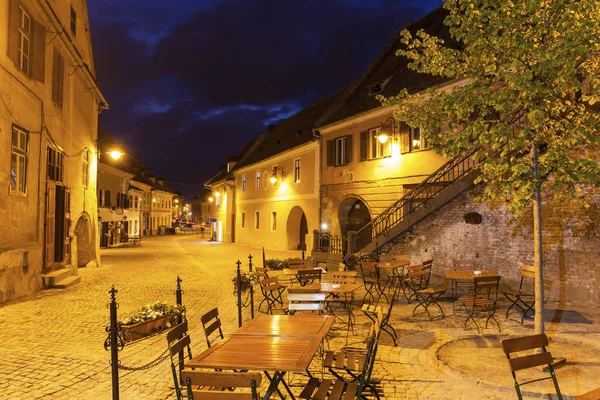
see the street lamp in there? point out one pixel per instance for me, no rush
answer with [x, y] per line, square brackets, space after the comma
[115, 154]
[387, 130]
[273, 178]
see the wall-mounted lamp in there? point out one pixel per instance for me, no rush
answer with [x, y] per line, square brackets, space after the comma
[387, 130]
[273, 179]
[115, 154]
[210, 199]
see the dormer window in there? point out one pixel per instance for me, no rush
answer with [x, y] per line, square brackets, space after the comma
[375, 89]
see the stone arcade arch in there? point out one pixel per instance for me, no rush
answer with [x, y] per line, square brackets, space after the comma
[297, 229]
[86, 249]
[353, 214]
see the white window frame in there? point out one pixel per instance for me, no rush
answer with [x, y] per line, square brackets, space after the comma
[218, 200]
[24, 46]
[340, 151]
[420, 143]
[244, 183]
[376, 149]
[19, 158]
[85, 168]
[257, 180]
[297, 170]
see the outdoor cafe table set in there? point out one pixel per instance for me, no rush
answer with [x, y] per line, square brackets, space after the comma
[274, 344]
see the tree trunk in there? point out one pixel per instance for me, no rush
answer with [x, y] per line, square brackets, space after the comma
[537, 245]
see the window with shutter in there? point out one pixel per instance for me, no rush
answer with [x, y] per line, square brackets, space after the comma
[26, 41]
[18, 161]
[73, 22]
[364, 145]
[58, 76]
[330, 152]
[348, 149]
[404, 135]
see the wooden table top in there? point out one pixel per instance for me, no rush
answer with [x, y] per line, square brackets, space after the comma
[288, 325]
[466, 275]
[259, 353]
[294, 271]
[393, 264]
[328, 287]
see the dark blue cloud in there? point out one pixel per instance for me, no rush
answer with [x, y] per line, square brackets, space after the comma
[205, 77]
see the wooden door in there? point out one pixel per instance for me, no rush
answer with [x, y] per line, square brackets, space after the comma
[50, 222]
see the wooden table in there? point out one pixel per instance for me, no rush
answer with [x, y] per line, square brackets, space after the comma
[294, 271]
[279, 343]
[287, 325]
[464, 276]
[386, 280]
[336, 288]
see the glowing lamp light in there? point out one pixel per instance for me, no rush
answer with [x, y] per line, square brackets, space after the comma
[324, 226]
[115, 154]
[210, 199]
[273, 179]
[383, 137]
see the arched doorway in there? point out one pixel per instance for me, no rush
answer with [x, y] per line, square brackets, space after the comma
[353, 214]
[297, 229]
[86, 250]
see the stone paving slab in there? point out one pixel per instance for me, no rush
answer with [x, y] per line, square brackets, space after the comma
[51, 344]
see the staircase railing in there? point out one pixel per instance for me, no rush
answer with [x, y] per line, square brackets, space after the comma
[417, 198]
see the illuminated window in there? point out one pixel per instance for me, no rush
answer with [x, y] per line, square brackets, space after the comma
[417, 141]
[243, 183]
[85, 167]
[54, 165]
[370, 146]
[18, 161]
[258, 179]
[340, 151]
[24, 44]
[297, 170]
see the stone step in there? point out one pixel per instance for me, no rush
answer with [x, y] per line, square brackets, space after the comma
[65, 283]
[54, 277]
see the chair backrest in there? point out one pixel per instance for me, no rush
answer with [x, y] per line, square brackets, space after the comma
[364, 379]
[368, 268]
[298, 263]
[401, 257]
[535, 359]
[428, 263]
[527, 275]
[211, 323]
[220, 379]
[487, 286]
[269, 284]
[178, 341]
[306, 276]
[302, 290]
[262, 272]
[420, 275]
[306, 302]
[341, 277]
[466, 263]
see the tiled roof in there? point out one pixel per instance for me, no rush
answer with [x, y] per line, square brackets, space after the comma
[390, 72]
[289, 133]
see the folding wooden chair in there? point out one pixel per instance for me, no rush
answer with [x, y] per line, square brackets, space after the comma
[357, 365]
[272, 292]
[368, 270]
[211, 323]
[483, 300]
[376, 312]
[202, 385]
[306, 302]
[178, 342]
[417, 279]
[308, 276]
[522, 298]
[529, 361]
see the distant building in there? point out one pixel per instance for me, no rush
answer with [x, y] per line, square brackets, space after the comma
[50, 102]
[202, 207]
[116, 211]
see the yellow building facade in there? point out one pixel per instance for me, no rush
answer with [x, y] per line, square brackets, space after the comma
[48, 155]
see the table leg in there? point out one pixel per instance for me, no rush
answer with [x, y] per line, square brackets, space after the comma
[274, 385]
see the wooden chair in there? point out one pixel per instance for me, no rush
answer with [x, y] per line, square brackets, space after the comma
[357, 366]
[272, 292]
[417, 279]
[341, 277]
[368, 270]
[308, 276]
[529, 361]
[522, 298]
[591, 395]
[484, 300]
[211, 323]
[202, 385]
[306, 302]
[377, 313]
[178, 342]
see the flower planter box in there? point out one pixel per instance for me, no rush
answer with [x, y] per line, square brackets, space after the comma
[148, 328]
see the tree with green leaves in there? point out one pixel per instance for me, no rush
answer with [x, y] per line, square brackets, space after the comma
[526, 77]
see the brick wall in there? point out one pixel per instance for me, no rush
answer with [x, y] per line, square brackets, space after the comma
[501, 244]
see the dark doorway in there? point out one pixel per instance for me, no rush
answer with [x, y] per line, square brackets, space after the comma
[358, 216]
[303, 232]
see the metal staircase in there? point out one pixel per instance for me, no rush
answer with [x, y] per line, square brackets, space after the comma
[439, 188]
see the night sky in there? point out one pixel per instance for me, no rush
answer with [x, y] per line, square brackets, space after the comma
[191, 81]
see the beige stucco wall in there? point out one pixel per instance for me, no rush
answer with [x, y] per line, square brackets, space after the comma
[288, 200]
[161, 211]
[71, 128]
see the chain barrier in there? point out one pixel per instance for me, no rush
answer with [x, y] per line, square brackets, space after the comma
[147, 366]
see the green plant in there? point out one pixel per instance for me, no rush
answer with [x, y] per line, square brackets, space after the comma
[355, 258]
[276, 264]
[153, 311]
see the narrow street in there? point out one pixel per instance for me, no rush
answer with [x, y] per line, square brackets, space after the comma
[51, 344]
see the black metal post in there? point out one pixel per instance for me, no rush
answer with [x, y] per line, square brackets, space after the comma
[178, 292]
[179, 302]
[264, 259]
[251, 288]
[114, 351]
[239, 292]
[303, 254]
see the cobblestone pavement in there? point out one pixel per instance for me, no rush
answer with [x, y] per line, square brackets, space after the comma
[51, 344]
